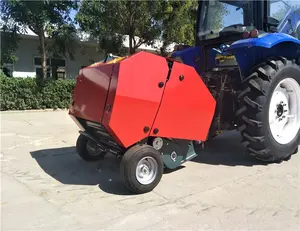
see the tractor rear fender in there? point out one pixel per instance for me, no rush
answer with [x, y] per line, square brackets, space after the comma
[250, 52]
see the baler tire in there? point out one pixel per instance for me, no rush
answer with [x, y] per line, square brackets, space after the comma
[255, 103]
[83, 152]
[129, 164]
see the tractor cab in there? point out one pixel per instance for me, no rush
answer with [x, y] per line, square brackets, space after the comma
[230, 19]
[221, 23]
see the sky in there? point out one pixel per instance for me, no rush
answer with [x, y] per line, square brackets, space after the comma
[72, 14]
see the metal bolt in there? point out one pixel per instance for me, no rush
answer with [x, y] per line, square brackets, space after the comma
[155, 131]
[181, 77]
[146, 129]
[161, 84]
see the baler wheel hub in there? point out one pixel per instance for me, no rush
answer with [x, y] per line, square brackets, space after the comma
[146, 170]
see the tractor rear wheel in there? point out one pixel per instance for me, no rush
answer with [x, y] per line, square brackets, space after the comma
[141, 168]
[269, 114]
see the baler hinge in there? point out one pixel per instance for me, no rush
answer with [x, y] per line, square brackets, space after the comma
[170, 65]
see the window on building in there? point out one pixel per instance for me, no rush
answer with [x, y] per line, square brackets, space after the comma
[39, 72]
[56, 68]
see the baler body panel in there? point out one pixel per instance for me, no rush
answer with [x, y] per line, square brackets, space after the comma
[132, 97]
[135, 96]
[90, 93]
[187, 107]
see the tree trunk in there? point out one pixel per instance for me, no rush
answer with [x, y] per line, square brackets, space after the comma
[43, 54]
[131, 47]
[163, 48]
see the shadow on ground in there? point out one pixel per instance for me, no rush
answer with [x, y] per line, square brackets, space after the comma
[64, 165]
[225, 149]
[67, 167]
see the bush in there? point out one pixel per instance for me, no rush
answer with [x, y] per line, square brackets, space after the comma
[27, 93]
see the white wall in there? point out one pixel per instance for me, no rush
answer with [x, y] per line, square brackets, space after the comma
[84, 56]
[28, 49]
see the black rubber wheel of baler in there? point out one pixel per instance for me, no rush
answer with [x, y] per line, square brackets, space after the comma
[83, 152]
[253, 115]
[129, 164]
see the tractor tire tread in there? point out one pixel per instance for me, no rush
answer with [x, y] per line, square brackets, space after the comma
[241, 110]
[252, 122]
[263, 74]
[243, 93]
[273, 64]
[252, 103]
[255, 85]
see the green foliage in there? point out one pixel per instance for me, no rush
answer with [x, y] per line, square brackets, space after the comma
[26, 93]
[9, 43]
[178, 22]
[142, 21]
[63, 41]
[38, 14]
[43, 17]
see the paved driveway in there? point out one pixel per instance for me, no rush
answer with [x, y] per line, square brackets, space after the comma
[46, 186]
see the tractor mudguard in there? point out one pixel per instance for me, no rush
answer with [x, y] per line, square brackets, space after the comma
[140, 96]
[266, 41]
[189, 56]
[252, 51]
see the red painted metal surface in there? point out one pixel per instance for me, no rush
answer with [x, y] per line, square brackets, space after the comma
[135, 96]
[187, 107]
[90, 93]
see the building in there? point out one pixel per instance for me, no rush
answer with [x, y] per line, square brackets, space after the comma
[29, 60]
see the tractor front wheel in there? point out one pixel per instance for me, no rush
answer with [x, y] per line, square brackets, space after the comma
[269, 116]
[141, 168]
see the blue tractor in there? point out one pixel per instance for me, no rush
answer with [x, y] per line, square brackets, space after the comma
[248, 55]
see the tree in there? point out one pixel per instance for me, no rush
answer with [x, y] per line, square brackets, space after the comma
[141, 21]
[178, 22]
[109, 21]
[9, 42]
[42, 17]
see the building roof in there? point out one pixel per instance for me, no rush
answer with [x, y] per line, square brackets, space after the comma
[86, 38]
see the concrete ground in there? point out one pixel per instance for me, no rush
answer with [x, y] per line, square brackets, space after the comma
[46, 186]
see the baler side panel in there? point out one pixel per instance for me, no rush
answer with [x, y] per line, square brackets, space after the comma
[90, 93]
[110, 102]
[111, 94]
[187, 106]
[135, 96]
